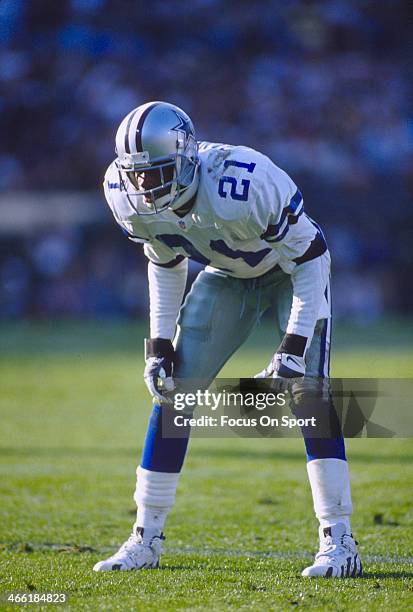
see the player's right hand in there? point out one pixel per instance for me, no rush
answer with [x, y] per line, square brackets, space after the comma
[159, 359]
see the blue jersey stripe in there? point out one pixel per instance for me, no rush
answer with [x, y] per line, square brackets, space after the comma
[287, 227]
[281, 236]
[274, 229]
[295, 200]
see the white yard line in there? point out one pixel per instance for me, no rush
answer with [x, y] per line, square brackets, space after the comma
[202, 552]
[206, 552]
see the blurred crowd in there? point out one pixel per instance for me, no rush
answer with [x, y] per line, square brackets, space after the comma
[73, 273]
[319, 85]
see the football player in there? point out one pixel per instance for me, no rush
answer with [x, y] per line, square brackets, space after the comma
[233, 210]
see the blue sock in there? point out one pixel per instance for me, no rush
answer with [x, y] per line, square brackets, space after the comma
[324, 448]
[325, 440]
[162, 454]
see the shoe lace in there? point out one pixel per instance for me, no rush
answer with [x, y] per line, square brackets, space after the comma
[132, 547]
[331, 548]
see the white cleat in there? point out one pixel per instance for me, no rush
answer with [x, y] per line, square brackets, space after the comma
[337, 557]
[140, 551]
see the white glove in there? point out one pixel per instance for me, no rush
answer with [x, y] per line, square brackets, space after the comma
[289, 360]
[159, 358]
[283, 365]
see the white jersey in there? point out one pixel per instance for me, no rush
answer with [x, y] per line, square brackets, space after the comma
[248, 216]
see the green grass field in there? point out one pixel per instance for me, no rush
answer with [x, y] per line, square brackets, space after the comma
[73, 416]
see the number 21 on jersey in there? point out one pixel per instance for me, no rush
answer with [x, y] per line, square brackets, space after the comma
[235, 193]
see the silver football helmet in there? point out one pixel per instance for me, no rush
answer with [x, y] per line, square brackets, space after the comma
[157, 157]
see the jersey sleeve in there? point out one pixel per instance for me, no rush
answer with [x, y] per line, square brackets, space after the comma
[278, 217]
[162, 255]
[275, 200]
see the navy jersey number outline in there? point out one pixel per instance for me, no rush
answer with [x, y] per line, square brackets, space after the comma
[245, 183]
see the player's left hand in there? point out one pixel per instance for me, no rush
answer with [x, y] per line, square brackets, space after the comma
[159, 358]
[284, 366]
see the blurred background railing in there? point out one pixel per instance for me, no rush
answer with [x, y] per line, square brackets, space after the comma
[322, 87]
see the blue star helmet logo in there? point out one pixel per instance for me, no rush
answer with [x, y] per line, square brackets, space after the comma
[183, 125]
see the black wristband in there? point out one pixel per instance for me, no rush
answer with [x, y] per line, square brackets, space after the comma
[293, 344]
[159, 347]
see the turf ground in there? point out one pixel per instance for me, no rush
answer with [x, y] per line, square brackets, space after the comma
[73, 415]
